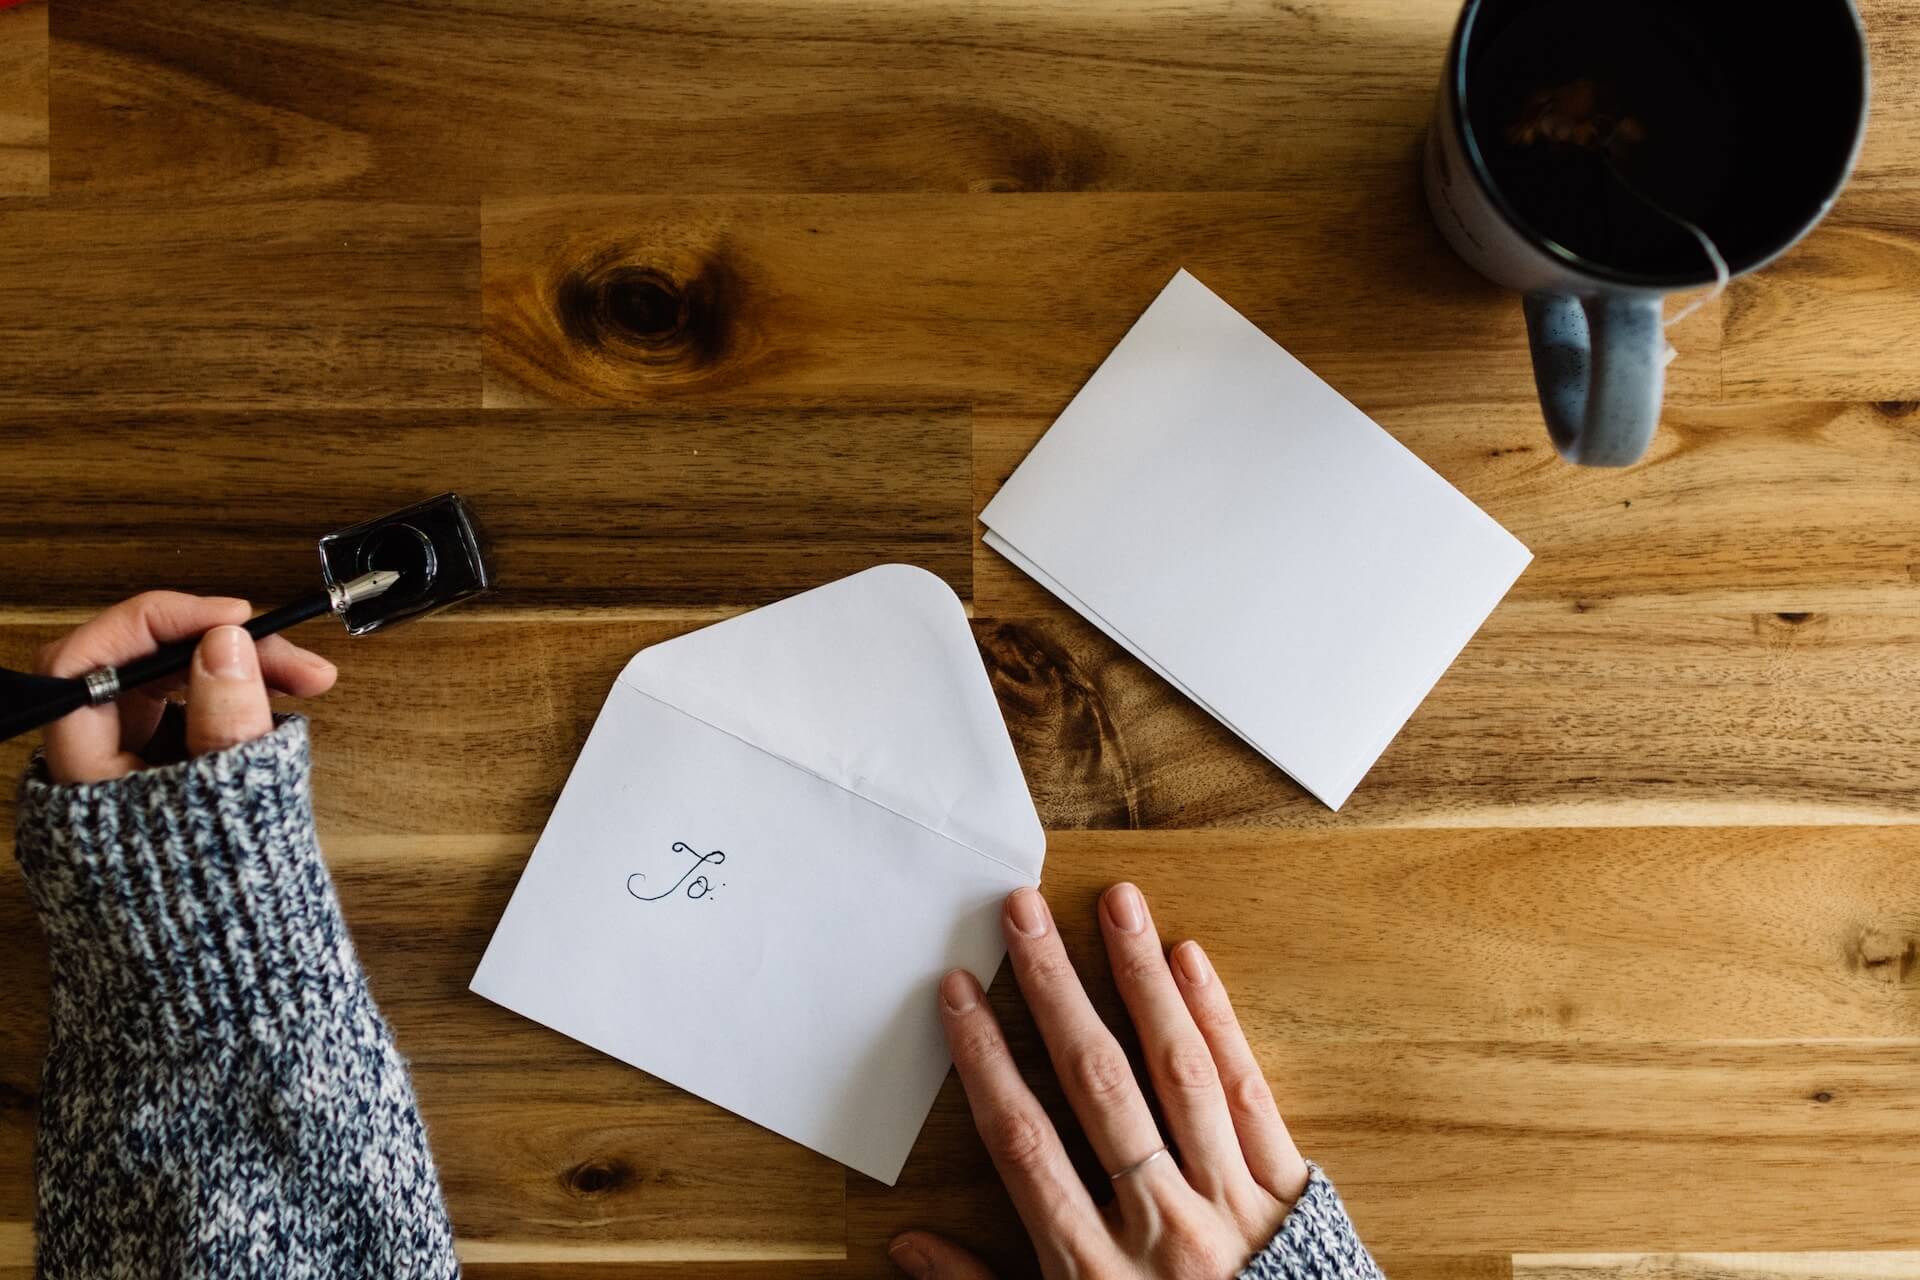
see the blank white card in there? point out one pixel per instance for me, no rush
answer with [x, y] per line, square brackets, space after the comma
[1265, 546]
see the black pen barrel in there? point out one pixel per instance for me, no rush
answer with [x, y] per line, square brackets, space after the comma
[170, 658]
[44, 710]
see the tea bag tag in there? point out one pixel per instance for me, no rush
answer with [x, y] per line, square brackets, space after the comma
[1721, 275]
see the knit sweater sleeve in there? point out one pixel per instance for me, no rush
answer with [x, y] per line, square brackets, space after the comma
[221, 1097]
[1316, 1242]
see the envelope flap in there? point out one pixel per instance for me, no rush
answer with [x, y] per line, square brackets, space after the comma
[873, 683]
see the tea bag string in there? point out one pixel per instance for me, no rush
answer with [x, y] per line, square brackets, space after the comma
[1721, 275]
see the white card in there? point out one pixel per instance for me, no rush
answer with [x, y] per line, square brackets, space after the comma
[1265, 546]
[781, 832]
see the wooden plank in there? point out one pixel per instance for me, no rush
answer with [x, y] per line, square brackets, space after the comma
[1465, 1149]
[24, 159]
[1617, 934]
[657, 512]
[846, 96]
[264, 305]
[1718, 1266]
[1404, 1266]
[571, 1155]
[1554, 1071]
[619, 300]
[782, 95]
[1776, 508]
[1552, 716]
[850, 95]
[1890, 157]
[1557, 1147]
[1637, 934]
[1835, 318]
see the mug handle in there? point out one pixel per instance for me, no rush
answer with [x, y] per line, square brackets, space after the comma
[1600, 365]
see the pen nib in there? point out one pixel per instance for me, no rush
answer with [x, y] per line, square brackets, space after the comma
[367, 586]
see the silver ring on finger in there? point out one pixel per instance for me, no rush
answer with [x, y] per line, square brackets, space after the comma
[1138, 1165]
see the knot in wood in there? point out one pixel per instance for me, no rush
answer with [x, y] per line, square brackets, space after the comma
[647, 313]
[596, 1178]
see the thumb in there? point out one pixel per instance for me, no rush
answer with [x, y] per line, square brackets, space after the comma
[226, 698]
[925, 1256]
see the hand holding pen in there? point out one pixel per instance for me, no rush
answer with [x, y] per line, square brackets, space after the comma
[227, 680]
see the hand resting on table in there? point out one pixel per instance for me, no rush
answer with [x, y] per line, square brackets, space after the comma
[1200, 1215]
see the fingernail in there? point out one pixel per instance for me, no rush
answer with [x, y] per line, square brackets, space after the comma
[1028, 912]
[1126, 908]
[959, 992]
[1193, 964]
[227, 652]
[907, 1256]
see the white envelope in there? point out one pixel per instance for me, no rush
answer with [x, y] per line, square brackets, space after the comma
[782, 830]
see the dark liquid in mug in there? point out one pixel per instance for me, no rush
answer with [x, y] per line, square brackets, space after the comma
[1597, 119]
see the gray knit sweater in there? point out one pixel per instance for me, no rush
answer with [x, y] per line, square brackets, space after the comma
[222, 1098]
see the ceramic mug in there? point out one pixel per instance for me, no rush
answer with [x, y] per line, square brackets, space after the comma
[1596, 154]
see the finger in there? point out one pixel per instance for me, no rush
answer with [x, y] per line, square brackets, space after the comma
[226, 699]
[1048, 1194]
[1179, 1063]
[290, 669]
[136, 627]
[1092, 1068]
[925, 1256]
[287, 668]
[140, 712]
[1274, 1161]
[141, 709]
[88, 746]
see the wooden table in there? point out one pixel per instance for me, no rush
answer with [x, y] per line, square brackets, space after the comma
[1614, 952]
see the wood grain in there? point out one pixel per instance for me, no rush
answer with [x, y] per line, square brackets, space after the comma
[1608, 968]
[847, 95]
[1616, 934]
[1553, 968]
[1888, 158]
[1834, 318]
[24, 161]
[1718, 1266]
[265, 305]
[624, 300]
[1553, 715]
[663, 512]
[1768, 509]
[1454, 1147]
[603, 1163]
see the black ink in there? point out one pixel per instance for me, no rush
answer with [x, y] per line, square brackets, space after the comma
[700, 883]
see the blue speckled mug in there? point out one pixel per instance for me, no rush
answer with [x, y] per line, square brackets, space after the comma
[1597, 154]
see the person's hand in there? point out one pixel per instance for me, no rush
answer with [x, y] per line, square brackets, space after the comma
[1199, 1216]
[226, 685]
